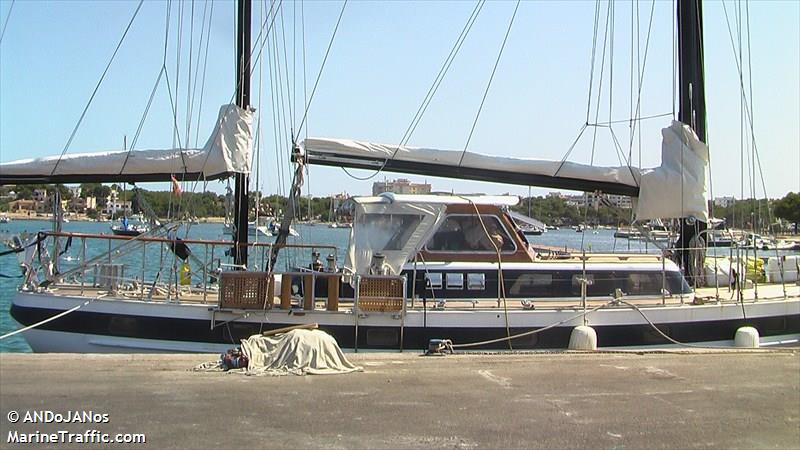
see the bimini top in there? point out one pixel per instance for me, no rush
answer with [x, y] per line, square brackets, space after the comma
[389, 197]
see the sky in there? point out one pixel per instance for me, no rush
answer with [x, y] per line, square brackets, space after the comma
[382, 62]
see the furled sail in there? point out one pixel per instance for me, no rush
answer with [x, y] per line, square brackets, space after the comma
[226, 152]
[675, 189]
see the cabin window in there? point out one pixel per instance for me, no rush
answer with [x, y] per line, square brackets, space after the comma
[539, 284]
[455, 281]
[434, 280]
[476, 281]
[465, 233]
[576, 283]
[643, 283]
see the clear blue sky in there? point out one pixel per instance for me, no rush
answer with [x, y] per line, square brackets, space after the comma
[383, 60]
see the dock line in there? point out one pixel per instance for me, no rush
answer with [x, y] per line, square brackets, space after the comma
[61, 314]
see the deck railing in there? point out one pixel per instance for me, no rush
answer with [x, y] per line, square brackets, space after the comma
[146, 268]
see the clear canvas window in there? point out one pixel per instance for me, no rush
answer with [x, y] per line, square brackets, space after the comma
[466, 233]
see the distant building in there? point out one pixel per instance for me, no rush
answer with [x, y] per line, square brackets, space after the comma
[80, 205]
[40, 195]
[724, 202]
[574, 200]
[23, 206]
[400, 186]
[76, 191]
[619, 201]
[114, 205]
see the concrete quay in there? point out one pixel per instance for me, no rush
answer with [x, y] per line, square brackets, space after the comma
[545, 400]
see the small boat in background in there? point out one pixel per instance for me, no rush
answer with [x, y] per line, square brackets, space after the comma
[125, 228]
[528, 225]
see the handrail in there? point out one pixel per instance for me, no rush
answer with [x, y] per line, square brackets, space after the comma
[185, 241]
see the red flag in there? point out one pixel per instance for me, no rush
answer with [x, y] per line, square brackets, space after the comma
[176, 188]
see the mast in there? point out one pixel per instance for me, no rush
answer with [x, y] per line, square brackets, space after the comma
[692, 108]
[242, 183]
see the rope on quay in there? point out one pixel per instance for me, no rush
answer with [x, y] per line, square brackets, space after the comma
[447, 344]
[707, 347]
[452, 346]
[61, 314]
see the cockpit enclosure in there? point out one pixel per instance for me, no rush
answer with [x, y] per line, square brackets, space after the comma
[471, 233]
[390, 229]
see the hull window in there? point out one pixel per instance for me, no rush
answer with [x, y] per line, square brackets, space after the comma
[455, 281]
[434, 280]
[476, 281]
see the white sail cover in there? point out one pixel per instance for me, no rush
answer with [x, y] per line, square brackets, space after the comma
[675, 189]
[227, 151]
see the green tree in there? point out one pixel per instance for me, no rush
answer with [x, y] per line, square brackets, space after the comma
[789, 208]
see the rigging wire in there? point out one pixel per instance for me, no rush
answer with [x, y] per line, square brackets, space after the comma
[189, 93]
[489, 84]
[289, 89]
[305, 95]
[640, 84]
[217, 127]
[423, 107]
[5, 23]
[440, 76]
[608, 123]
[319, 74]
[142, 120]
[303, 31]
[97, 87]
[592, 60]
[756, 154]
[277, 92]
[203, 81]
[748, 114]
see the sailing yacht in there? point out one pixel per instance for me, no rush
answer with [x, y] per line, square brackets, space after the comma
[417, 268]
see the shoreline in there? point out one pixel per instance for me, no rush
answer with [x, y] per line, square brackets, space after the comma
[83, 218]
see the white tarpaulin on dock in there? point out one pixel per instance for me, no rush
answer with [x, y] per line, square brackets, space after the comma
[296, 352]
